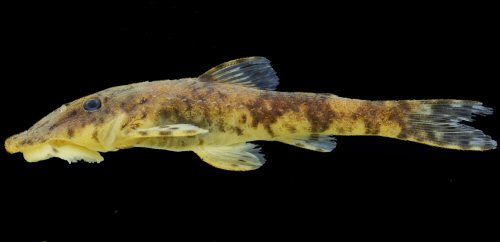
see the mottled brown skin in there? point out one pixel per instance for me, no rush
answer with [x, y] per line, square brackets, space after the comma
[235, 114]
[216, 114]
[232, 114]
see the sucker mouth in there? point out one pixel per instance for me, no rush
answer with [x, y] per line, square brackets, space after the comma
[62, 149]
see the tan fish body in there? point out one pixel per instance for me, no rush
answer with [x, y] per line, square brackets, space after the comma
[218, 113]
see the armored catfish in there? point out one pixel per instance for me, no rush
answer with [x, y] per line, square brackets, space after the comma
[219, 113]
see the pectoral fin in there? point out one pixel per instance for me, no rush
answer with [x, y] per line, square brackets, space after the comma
[240, 157]
[173, 130]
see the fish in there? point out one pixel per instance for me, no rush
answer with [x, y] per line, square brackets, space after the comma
[218, 115]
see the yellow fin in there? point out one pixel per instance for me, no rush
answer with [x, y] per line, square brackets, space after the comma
[69, 152]
[173, 130]
[73, 153]
[240, 157]
[253, 72]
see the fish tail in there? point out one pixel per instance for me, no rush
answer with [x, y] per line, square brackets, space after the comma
[441, 123]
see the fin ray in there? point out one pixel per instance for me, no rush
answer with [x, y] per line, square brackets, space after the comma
[315, 143]
[253, 72]
[439, 123]
[240, 157]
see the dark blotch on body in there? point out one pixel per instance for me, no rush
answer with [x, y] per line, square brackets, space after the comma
[95, 135]
[292, 129]
[166, 133]
[238, 131]
[70, 132]
[319, 114]
[399, 114]
[27, 142]
[100, 120]
[268, 107]
[72, 114]
[64, 119]
[370, 112]
[243, 119]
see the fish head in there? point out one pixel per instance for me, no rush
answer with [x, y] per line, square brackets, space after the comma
[78, 130]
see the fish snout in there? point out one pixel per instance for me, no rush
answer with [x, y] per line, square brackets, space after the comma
[14, 143]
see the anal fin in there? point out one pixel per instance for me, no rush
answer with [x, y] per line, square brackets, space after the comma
[313, 142]
[240, 157]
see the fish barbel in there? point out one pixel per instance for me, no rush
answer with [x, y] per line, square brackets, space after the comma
[219, 113]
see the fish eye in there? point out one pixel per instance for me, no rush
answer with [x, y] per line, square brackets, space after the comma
[92, 105]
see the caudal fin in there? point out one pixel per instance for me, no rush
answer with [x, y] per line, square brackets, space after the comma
[440, 123]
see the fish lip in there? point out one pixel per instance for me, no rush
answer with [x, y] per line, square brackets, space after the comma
[9, 147]
[12, 143]
[59, 148]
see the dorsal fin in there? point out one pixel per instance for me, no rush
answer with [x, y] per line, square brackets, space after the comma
[250, 72]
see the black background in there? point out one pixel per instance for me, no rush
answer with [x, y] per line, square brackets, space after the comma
[367, 186]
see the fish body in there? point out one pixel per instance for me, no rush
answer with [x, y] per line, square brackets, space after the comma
[219, 113]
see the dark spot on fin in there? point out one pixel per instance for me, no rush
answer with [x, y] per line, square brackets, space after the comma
[251, 72]
[440, 123]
